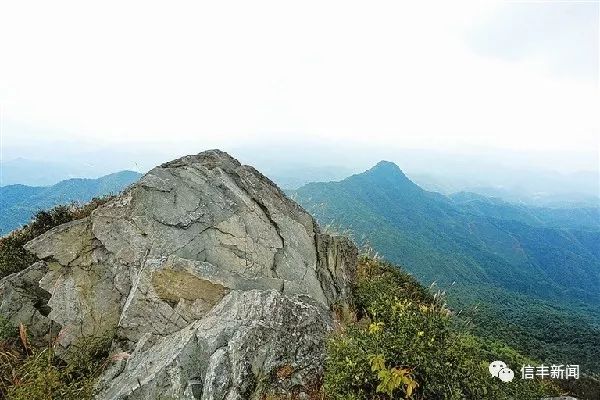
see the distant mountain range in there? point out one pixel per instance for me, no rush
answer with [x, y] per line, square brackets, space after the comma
[517, 263]
[469, 238]
[570, 217]
[18, 203]
[22, 171]
[490, 175]
[520, 195]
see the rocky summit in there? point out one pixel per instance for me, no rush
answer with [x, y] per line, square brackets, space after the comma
[207, 280]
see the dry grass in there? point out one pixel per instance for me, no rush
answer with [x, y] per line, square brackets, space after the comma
[37, 373]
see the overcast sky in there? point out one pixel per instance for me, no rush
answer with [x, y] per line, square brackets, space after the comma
[424, 74]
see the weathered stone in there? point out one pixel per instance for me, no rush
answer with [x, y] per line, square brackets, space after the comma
[22, 301]
[204, 270]
[233, 352]
[80, 279]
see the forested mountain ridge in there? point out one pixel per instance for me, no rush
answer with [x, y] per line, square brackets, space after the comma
[441, 239]
[18, 203]
[507, 267]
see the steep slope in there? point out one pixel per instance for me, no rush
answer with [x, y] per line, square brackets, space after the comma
[438, 240]
[203, 273]
[536, 287]
[18, 203]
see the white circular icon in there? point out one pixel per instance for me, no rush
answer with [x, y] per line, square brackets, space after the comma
[495, 367]
[499, 370]
[506, 374]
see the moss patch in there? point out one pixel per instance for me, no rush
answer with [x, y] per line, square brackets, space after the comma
[172, 285]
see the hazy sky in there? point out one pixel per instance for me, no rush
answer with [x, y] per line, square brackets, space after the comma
[425, 74]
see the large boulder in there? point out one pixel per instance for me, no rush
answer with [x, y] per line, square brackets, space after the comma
[204, 271]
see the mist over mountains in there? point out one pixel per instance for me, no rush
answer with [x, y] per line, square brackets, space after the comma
[546, 179]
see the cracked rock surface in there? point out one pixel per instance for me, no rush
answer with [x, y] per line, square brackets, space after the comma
[204, 271]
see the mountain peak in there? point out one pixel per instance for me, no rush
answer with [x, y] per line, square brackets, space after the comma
[388, 170]
[384, 165]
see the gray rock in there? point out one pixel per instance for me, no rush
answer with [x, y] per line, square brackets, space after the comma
[204, 271]
[240, 347]
[23, 301]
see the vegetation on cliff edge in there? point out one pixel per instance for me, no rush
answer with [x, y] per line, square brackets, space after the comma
[405, 343]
